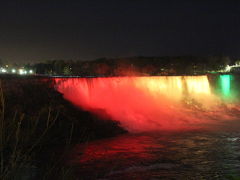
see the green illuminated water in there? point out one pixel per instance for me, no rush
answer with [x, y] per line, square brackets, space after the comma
[225, 84]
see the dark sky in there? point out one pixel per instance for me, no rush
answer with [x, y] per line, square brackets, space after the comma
[88, 29]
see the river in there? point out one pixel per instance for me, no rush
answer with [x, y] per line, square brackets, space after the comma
[169, 155]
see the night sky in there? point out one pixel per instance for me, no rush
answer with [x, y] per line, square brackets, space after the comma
[85, 30]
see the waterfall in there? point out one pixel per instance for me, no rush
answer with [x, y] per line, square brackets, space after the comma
[148, 103]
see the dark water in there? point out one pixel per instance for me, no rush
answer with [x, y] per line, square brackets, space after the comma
[170, 155]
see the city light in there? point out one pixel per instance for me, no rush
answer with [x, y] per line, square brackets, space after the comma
[3, 70]
[228, 68]
[21, 71]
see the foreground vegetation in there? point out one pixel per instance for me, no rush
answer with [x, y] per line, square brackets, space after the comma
[37, 128]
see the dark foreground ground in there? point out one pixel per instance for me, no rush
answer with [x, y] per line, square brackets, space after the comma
[38, 127]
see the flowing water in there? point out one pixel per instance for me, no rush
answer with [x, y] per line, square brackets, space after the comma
[181, 127]
[175, 155]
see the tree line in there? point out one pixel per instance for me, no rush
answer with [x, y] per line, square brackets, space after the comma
[167, 65]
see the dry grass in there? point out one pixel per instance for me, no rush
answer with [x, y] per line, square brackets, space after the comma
[21, 139]
[35, 123]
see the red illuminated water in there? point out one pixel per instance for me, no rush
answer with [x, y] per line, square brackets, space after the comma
[148, 103]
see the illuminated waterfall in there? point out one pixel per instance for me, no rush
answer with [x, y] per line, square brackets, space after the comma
[144, 103]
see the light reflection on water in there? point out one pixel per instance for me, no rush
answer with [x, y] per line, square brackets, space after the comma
[175, 155]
